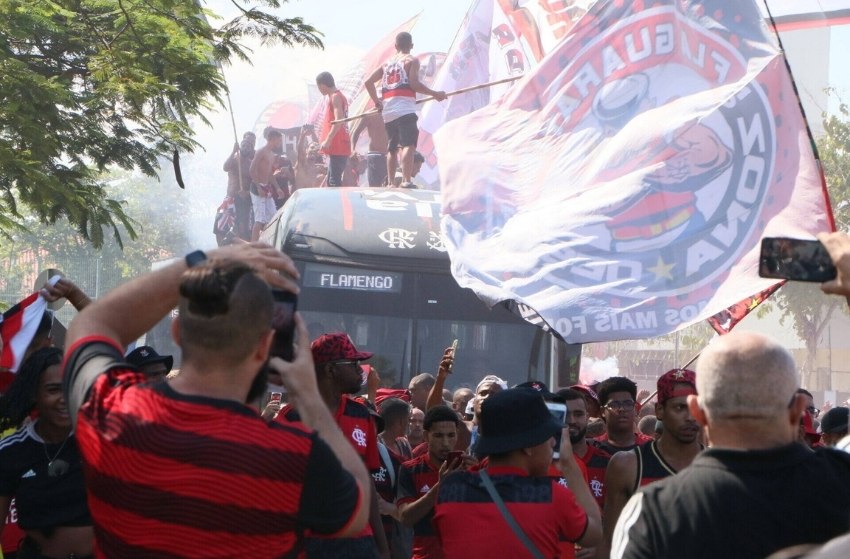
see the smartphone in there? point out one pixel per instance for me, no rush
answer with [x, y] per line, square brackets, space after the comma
[454, 457]
[276, 397]
[559, 412]
[454, 354]
[795, 259]
[283, 323]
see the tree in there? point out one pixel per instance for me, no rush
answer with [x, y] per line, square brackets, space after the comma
[151, 207]
[93, 84]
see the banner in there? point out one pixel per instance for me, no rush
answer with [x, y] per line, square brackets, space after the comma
[725, 320]
[620, 189]
[18, 326]
[497, 39]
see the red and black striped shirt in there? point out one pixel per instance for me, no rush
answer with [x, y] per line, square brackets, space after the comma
[173, 475]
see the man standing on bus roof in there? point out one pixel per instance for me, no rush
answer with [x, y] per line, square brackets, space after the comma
[335, 141]
[262, 173]
[399, 85]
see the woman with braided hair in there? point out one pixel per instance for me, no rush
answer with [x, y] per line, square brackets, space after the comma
[40, 464]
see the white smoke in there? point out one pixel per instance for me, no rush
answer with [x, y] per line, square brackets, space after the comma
[596, 370]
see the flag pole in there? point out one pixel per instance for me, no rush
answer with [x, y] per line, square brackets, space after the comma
[431, 97]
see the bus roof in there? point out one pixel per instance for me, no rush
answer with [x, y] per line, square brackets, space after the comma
[390, 227]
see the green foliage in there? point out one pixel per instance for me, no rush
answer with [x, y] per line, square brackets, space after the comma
[89, 85]
[152, 207]
[834, 150]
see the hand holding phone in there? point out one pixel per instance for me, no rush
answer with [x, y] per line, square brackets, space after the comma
[559, 413]
[454, 353]
[795, 260]
[455, 458]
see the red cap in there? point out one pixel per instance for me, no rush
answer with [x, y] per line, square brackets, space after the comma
[335, 347]
[667, 384]
[384, 393]
[587, 391]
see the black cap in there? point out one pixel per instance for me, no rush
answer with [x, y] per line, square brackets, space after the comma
[835, 421]
[146, 355]
[513, 419]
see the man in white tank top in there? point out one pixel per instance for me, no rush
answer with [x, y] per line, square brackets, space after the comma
[399, 85]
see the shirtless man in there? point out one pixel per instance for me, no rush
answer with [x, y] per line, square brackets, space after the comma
[399, 85]
[309, 163]
[376, 159]
[262, 174]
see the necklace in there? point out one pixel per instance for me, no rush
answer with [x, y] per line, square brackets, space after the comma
[57, 468]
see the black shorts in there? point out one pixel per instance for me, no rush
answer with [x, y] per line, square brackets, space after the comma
[402, 132]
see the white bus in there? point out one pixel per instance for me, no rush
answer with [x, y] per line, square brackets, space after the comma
[373, 264]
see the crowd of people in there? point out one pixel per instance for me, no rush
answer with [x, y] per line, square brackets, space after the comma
[111, 453]
[261, 180]
[107, 451]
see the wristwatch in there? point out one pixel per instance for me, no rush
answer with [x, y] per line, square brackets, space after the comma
[195, 258]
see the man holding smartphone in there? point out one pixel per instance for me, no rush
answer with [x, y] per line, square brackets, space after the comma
[419, 480]
[154, 450]
[517, 435]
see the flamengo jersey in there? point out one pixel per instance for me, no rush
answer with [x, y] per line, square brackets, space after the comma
[398, 96]
[596, 461]
[357, 426]
[173, 475]
[415, 478]
[467, 519]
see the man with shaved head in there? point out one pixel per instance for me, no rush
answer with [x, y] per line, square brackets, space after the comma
[743, 496]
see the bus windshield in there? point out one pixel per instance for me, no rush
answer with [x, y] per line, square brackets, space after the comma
[373, 265]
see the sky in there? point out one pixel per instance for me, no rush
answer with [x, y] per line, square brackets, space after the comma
[350, 29]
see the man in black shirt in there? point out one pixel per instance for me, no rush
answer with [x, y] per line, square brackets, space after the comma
[744, 496]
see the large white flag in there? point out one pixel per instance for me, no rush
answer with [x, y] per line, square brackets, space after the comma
[498, 39]
[620, 189]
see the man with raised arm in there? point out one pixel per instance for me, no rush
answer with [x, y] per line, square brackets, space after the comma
[184, 462]
[399, 85]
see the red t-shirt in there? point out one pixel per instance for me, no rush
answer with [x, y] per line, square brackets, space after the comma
[416, 477]
[567, 548]
[341, 142]
[470, 525]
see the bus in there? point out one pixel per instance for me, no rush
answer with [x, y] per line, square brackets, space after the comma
[373, 264]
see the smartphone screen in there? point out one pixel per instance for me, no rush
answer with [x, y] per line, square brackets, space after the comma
[559, 412]
[795, 259]
[283, 322]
